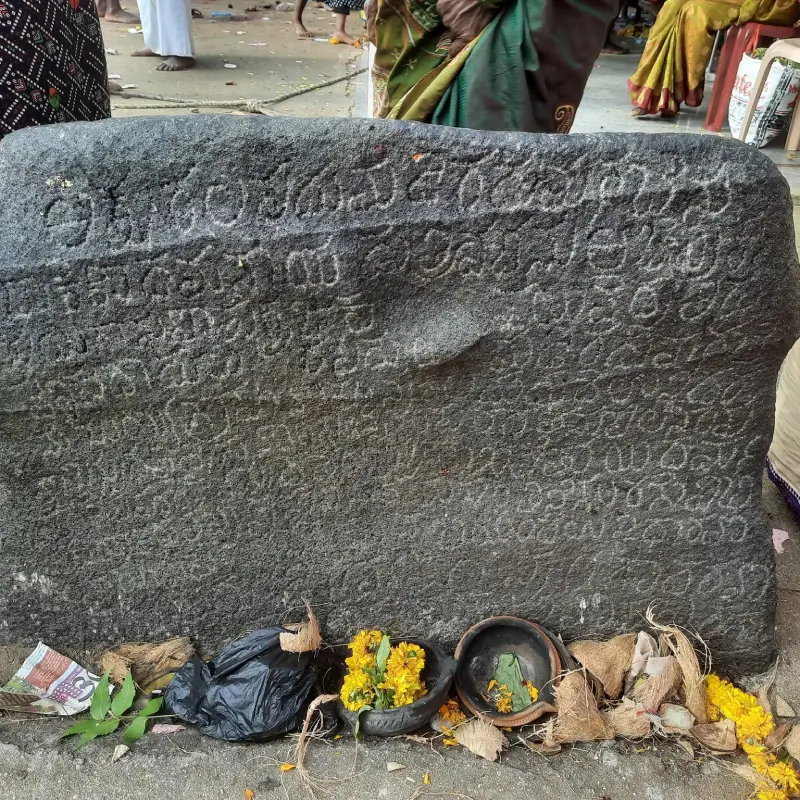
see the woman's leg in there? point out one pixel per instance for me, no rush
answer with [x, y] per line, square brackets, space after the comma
[112, 11]
[673, 65]
[300, 29]
[341, 35]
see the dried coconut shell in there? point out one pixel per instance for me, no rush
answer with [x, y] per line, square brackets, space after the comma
[719, 737]
[579, 719]
[652, 690]
[675, 718]
[628, 719]
[303, 637]
[792, 742]
[778, 736]
[609, 661]
[146, 661]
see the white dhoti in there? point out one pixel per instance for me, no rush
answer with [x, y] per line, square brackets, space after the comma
[167, 26]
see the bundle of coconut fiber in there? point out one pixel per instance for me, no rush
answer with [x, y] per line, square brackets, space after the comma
[629, 686]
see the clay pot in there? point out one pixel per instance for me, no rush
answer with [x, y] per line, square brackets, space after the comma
[542, 658]
[438, 676]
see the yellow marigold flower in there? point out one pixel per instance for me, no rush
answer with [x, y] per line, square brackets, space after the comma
[451, 714]
[503, 701]
[492, 684]
[406, 656]
[532, 690]
[785, 776]
[357, 691]
[503, 705]
[771, 794]
[753, 724]
[762, 762]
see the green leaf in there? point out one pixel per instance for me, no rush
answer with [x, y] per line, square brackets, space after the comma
[382, 656]
[80, 727]
[135, 730]
[101, 699]
[358, 720]
[101, 728]
[123, 699]
[152, 707]
[508, 673]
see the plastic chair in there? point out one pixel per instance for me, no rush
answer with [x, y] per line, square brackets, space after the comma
[790, 49]
[739, 40]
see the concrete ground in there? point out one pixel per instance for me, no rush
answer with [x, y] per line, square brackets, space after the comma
[269, 61]
[35, 763]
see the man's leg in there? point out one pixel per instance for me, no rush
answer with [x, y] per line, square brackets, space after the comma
[112, 11]
[167, 29]
[300, 29]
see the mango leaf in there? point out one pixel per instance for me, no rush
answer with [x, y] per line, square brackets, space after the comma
[101, 699]
[152, 707]
[360, 711]
[382, 656]
[123, 699]
[135, 730]
[509, 674]
[101, 728]
[80, 727]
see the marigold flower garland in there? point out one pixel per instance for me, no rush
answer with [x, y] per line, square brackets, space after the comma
[380, 675]
[753, 726]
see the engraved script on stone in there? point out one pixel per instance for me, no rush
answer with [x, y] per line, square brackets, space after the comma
[416, 376]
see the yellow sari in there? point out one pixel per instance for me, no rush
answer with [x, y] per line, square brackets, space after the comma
[673, 66]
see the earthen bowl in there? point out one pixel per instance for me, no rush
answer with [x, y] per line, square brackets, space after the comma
[477, 655]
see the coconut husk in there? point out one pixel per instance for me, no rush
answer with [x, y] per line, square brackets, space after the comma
[579, 719]
[694, 688]
[628, 719]
[652, 690]
[304, 637]
[146, 661]
[306, 734]
[481, 737]
[609, 661]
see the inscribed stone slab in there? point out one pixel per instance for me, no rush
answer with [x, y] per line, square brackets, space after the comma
[414, 375]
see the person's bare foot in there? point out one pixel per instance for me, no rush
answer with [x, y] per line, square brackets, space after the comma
[302, 32]
[175, 64]
[613, 49]
[145, 52]
[638, 112]
[340, 37]
[112, 11]
[114, 87]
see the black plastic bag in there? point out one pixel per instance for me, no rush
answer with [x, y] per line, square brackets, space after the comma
[252, 691]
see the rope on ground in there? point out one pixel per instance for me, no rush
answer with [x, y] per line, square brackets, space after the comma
[250, 106]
